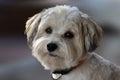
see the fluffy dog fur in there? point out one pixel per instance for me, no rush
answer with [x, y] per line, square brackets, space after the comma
[76, 37]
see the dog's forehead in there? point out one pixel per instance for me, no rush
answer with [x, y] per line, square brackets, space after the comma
[61, 16]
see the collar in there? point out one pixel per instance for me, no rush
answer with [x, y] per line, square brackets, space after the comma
[58, 73]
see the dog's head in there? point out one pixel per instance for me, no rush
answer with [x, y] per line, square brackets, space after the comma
[61, 36]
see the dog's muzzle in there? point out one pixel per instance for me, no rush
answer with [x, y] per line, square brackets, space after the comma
[51, 47]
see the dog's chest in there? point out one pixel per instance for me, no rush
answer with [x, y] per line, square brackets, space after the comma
[73, 77]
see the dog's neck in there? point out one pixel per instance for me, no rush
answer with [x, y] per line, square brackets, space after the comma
[58, 73]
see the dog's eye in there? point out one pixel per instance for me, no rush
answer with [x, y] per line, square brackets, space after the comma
[48, 30]
[68, 35]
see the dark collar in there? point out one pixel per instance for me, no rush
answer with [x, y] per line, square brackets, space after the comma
[67, 70]
[63, 71]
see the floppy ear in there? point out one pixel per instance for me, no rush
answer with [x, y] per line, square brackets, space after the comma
[32, 27]
[91, 33]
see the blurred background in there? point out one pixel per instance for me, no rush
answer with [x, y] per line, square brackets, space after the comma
[16, 61]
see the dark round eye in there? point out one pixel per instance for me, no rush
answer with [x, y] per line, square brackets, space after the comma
[68, 35]
[48, 30]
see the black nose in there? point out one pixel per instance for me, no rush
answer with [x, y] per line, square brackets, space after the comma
[51, 47]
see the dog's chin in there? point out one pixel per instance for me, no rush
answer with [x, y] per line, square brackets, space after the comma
[50, 61]
[54, 62]
[52, 66]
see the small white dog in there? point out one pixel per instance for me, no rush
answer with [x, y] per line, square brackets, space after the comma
[63, 39]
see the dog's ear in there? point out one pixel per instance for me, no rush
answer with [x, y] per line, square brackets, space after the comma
[32, 27]
[91, 33]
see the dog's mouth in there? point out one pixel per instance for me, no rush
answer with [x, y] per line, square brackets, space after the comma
[53, 55]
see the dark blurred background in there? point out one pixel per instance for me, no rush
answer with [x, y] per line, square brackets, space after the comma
[16, 61]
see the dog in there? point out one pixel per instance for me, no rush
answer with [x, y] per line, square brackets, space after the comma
[63, 40]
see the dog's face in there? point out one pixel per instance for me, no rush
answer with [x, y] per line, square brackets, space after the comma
[61, 36]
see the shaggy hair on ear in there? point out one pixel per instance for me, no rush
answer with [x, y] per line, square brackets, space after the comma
[32, 27]
[91, 33]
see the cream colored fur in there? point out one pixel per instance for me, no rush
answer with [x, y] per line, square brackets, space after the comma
[87, 35]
